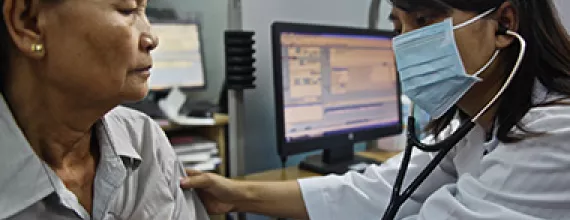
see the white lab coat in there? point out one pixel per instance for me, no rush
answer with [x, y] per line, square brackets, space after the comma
[524, 180]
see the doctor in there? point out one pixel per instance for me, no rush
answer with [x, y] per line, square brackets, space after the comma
[454, 56]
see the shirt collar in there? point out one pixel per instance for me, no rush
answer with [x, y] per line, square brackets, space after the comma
[23, 177]
[109, 132]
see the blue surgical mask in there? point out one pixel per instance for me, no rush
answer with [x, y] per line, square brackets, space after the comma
[430, 67]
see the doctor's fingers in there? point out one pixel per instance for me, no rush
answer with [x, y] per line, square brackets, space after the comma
[191, 172]
[196, 179]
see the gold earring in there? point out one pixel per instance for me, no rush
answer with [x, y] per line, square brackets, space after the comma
[37, 48]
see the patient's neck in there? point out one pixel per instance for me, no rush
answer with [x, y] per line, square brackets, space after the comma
[58, 130]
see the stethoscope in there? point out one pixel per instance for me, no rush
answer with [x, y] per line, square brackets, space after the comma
[443, 147]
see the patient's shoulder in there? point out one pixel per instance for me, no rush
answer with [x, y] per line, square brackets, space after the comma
[134, 121]
[121, 114]
[136, 129]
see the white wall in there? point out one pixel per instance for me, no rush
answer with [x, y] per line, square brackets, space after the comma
[564, 11]
[258, 15]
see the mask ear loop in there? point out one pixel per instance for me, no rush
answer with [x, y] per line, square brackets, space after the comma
[503, 29]
[495, 54]
[474, 19]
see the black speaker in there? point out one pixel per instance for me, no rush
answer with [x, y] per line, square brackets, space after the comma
[239, 48]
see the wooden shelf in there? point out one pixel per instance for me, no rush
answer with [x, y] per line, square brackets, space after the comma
[220, 120]
[215, 132]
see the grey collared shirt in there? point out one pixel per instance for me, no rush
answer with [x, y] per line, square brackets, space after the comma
[137, 177]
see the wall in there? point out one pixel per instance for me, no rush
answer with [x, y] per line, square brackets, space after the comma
[564, 9]
[213, 15]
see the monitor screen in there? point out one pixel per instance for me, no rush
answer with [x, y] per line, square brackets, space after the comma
[337, 84]
[178, 57]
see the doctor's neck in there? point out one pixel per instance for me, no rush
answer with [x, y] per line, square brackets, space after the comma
[482, 93]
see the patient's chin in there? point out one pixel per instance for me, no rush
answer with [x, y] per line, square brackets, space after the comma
[135, 94]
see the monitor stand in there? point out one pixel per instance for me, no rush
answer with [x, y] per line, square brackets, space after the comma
[149, 105]
[336, 161]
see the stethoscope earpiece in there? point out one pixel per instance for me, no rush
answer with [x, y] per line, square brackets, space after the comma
[502, 30]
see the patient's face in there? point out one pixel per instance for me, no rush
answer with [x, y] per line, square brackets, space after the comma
[98, 48]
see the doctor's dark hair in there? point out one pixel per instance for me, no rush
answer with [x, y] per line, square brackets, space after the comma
[547, 58]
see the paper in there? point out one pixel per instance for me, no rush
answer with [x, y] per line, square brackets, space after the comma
[195, 149]
[195, 157]
[205, 166]
[171, 106]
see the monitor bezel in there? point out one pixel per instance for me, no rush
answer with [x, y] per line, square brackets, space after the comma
[329, 142]
[198, 24]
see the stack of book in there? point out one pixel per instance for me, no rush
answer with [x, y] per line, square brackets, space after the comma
[196, 153]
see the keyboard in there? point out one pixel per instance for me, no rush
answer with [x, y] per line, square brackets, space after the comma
[148, 107]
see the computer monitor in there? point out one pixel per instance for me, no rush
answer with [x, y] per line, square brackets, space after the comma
[334, 87]
[178, 60]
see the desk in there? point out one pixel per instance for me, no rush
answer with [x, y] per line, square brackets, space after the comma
[294, 173]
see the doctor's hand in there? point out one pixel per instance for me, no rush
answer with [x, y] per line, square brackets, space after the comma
[218, 194]
[221, 195]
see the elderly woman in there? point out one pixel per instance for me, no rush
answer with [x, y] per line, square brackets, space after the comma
[66, 151]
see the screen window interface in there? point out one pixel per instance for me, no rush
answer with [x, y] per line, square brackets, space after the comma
[178, 59]
[337, 84]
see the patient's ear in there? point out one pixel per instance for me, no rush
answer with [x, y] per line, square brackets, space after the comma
[22, 20]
